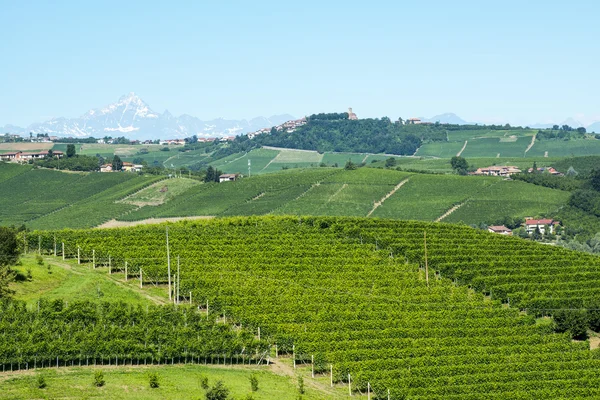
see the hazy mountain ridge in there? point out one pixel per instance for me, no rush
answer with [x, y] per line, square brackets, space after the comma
[130, 116]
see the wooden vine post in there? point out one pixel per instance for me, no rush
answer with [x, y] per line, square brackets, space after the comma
[63, 250]
[125, 271]
[78, 255]
[94, 258]
[141, 282]
[426, 265]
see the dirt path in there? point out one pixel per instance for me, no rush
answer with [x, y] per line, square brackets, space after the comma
[387, 196]
[531, 144]
[463, 149]
[344, 186]
[280, 367]
[450, 211]
[269, 163]
[141, 292]
[113, 223]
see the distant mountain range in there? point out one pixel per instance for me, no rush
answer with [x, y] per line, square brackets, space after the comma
[133, 118]
[450, 118]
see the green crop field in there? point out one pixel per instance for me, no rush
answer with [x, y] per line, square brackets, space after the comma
[349, 296]
[517, 199]
[45, 198]
[561, 148]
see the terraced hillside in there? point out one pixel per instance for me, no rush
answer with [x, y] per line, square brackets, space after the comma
[355, 294]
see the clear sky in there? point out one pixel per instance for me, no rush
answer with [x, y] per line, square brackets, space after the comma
[521, 61]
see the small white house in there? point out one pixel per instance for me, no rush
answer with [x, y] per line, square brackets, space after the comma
[499, 229]
[228, 177]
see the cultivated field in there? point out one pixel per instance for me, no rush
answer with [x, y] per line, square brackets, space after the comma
[352, 296]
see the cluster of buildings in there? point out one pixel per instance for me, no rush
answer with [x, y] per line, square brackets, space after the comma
[505, 171]
[530, 226]
[548, 170]
[417, 121]
[21, 156]
[288, 126]
[127, 167]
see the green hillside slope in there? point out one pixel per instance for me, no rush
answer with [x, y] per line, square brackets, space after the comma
[353, 294]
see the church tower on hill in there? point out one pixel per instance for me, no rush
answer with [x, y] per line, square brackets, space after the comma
[351, 115]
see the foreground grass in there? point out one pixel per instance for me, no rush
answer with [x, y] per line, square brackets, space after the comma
[58, 279]
[176, 382]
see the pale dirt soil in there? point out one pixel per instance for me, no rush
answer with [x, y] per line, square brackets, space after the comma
[594, 342]
[26, 146]
[121, 224]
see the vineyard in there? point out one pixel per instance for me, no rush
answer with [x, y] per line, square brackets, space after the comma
[360, 299]
[57, 334]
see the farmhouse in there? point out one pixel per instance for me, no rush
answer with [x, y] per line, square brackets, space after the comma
[20, 156]
[497, 171]
[499, 229]
[228, 177]
[541, 224]
[106, 168]
[548, 170]
[172, 142]
[130, 167]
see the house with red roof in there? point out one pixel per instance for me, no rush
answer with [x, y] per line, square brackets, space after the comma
[541, 224]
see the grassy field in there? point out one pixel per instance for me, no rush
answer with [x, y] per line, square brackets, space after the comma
[58, 279]
[161, 192]
[176, 382]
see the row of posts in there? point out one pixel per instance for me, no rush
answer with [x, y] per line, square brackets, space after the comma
[177, 297]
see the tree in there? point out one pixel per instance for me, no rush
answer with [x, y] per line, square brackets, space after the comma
[70, 150]
[390, 162]
[572, 321]
[50, 153]
[595, 179]
[581, 130]
[537, 234]
[117, 164]
[217, 392]
[350, 165]
[9, 255]
[534, 167]
[459, 165]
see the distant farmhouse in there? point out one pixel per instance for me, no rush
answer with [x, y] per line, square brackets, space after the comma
[548, 170]
[501, 230]
[20, 156]
[497, 171]
[228, 177]
[532, 224]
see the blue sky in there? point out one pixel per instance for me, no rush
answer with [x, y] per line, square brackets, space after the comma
[502, 61]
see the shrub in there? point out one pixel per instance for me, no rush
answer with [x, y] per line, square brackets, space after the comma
[99, 378]
[301, 389]
[253, 382]
[217, 392]
[153, 380]
[41, 382]
[39, 260]
[204, 382]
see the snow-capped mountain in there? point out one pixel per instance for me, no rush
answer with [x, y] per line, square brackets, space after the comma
[131, 117]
